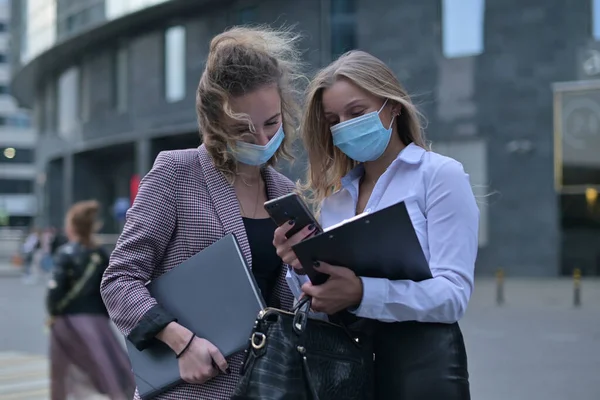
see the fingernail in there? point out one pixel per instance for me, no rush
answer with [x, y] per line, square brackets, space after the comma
[291, 222]
[316, 264]
[228, 371]
[311, 227]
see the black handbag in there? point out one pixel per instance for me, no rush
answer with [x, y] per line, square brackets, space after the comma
[294, 357]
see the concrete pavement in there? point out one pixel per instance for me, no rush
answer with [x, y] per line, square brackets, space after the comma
[9, 270]
[536, 346]
[23, 376]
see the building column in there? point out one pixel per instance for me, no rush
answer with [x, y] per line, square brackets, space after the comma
[39, 192]
[142, 156]
[67, 183]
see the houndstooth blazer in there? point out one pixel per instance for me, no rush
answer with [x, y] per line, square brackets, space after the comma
[184, 204]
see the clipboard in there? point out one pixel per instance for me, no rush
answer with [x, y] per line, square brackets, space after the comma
[382, 244]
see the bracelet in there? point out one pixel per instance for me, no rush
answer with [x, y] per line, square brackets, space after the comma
[187, 346]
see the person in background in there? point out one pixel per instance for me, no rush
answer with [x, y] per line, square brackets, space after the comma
[366, 152]
[81, 338]
[248, 114]
[46, 261]
[58, 239]
[29, 249]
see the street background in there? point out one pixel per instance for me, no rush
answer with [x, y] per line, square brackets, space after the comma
[535, 346]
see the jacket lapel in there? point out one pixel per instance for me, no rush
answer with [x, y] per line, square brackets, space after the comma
[225, 201]
[276, 186]
[226, 204]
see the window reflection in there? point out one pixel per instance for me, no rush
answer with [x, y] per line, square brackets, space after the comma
[343, 27]
[462, 27]
[175, 64]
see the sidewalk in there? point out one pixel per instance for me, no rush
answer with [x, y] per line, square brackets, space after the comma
[23, 376]
[7, 269]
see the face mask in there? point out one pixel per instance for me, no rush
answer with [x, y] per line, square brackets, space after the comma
[254, 154]
[362, 138]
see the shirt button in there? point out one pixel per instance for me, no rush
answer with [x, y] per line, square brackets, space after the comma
[368, 210]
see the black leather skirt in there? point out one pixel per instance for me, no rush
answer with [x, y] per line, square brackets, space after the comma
[420, 361]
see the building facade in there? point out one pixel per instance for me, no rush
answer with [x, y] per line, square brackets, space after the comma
[18, 205]
[112, 82]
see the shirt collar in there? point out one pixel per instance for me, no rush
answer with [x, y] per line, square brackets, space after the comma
[411, 154]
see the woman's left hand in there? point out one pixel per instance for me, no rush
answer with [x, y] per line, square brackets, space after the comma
[342, 290]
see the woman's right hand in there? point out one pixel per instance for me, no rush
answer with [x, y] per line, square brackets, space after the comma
[284, 245]
[196, 364]
[201, 361]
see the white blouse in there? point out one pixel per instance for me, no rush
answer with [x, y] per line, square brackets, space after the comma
[442, 207]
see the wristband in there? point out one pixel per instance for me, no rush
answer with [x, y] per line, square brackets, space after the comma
[187, 346]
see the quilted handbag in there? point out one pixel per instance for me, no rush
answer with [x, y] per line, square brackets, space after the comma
[294, 357]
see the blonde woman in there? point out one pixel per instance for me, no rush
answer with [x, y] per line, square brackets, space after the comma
[83, 346]
[366, 151]
[247, 114]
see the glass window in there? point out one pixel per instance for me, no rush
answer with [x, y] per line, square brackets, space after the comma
[84, 93]
[246, 15]
[17, 155]
[19, 120]
[175, 64]
[118, 8]
[50, 106]
[16, 186]
[462, 27]
[596, 19]
[41, 27]
[343, 26]
[121, 79]
[68, 102]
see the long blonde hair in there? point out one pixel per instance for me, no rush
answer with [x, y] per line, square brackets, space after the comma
[241, 60]
[326, 163]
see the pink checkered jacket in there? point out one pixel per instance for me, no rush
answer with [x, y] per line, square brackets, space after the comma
[184, 204]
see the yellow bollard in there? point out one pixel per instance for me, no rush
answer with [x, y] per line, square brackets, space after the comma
[577, 287]
[500, 287]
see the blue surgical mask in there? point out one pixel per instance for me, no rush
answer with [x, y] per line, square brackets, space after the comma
[362, 138]
[254, 154]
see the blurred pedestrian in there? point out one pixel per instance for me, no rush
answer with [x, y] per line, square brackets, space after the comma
[58, 239]
[29, 250]
[46, 261]
[82, 340]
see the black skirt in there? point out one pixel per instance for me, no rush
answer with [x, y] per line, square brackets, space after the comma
[420, 361]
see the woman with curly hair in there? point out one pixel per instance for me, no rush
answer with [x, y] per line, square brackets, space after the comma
[247, 115]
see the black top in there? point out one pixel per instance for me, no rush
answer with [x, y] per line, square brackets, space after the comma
[266, 264]
[75, 285]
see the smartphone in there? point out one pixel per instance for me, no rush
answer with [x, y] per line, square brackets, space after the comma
[291, 207]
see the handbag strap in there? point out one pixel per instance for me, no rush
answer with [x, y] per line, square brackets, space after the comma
[301, 313]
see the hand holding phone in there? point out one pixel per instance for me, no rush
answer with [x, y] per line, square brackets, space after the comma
[283, 245]
[291, 207]
[295, 222]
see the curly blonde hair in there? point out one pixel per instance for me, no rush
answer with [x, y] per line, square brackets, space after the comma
[241, 60]
[327, 164]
